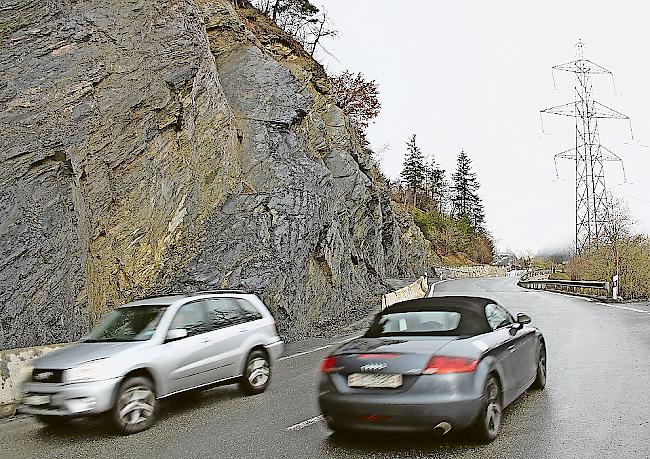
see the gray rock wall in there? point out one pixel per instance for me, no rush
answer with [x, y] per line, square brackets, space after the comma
[175, 145]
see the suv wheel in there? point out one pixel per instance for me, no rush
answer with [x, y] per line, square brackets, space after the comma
[257, 373]
[135, 407]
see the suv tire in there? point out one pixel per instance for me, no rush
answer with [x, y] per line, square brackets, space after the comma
[257, 373]
[135, 406]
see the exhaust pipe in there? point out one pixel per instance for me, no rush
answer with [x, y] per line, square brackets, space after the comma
[442, 428]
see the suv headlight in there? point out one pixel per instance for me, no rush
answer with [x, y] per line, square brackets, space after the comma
[86, 372]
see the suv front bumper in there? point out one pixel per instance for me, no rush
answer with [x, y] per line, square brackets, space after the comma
[73, 399]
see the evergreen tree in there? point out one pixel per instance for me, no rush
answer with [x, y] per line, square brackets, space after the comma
[466, 202]
[440, 189]
[435, 184]
[413, 172]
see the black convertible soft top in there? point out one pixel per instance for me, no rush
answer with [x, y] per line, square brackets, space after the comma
[472, 310]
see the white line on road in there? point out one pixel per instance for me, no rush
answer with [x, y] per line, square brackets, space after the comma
[624, 307]
[305, 353]
[307, 423]
[433, 286]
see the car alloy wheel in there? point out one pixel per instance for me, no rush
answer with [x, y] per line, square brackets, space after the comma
[493, 411]
[540, 380]
[135, 407]
[488, 423]
[257, 373]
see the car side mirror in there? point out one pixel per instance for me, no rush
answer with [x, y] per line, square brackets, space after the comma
[175, 334]
[523, 319]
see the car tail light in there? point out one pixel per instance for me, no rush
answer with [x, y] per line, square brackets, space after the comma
[441, 365]
[328, 365]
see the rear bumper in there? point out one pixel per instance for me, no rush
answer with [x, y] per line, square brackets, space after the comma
[397, 417]
[275, 349]
[74, 399]
[419, 407]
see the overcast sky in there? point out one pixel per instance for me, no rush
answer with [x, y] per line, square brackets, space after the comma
[474, 75]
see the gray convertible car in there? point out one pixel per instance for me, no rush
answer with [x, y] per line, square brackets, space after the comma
[433, 364]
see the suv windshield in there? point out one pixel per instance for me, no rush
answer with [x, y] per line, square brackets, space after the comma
[137, 323]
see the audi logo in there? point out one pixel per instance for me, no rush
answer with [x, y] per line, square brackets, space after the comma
[373, 367]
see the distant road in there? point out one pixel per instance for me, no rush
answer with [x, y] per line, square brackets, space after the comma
[596, 403]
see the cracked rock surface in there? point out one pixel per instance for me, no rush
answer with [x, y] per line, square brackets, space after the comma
[159, 146]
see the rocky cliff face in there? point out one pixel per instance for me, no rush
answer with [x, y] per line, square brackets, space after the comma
[156, 146]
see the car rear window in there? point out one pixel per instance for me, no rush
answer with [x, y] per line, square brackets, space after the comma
[425, 323]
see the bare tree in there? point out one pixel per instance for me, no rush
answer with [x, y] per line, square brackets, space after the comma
[322, 31]
[619, 220]
[300, 19]
[358, 97]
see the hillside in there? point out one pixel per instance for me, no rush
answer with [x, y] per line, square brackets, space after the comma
[173, 146]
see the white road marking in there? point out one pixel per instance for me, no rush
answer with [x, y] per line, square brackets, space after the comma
[307, 423]
[433, 286]
[624, 307]
[305, 352]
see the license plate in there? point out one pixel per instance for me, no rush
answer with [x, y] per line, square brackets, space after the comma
[363, 380]
[36, 400]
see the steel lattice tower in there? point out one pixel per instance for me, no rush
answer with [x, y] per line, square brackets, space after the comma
[588, 154]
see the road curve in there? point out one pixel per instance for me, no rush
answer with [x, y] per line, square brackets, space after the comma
[596, 403]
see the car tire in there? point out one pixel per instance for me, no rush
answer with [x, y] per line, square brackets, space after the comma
[540, 378]
[488, 422]
[52, 421]
[135, 406]
[257, 373]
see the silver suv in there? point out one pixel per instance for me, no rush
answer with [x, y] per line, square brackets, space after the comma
[153, 348]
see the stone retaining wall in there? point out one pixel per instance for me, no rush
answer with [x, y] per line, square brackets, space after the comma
[15, 365]
[418, 289]
[471, 271]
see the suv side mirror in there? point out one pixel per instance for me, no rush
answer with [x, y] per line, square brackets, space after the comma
[175, 334]
[523, 319]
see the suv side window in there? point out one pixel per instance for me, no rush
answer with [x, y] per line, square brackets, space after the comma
[223, 312]
[496, 316]
[250, 311]
[191, 317]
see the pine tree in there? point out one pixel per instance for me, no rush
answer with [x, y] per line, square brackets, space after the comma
[466, 202]
[413, 172]
[440, 189]
[435, 184]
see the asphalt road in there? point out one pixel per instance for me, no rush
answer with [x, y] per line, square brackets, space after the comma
[596, 403]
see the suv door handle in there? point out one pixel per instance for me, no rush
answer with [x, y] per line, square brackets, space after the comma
[243, 330]
[207, 340]
[511, 348]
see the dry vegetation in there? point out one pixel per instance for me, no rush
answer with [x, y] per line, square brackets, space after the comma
[599, 263]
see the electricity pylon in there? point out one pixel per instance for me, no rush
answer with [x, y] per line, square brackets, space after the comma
[588, 154]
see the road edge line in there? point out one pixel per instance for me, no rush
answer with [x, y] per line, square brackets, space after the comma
[305, 423]
[286, 357]
[433, 286]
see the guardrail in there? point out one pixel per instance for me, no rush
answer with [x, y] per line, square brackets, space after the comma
[418, 289]
[584, 288]
[538, 273]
